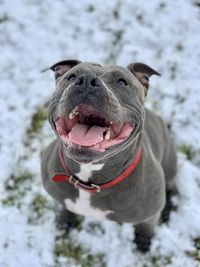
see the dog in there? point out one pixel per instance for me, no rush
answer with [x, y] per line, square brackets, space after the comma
[113, 158]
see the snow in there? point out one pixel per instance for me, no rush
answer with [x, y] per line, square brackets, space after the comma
[34, 35]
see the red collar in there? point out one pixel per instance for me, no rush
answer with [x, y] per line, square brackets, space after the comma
[90, 187]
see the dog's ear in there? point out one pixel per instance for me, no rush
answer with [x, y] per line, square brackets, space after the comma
[142, 72]
[62, 67]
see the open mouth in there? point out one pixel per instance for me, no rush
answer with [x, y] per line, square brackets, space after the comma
[86, 127]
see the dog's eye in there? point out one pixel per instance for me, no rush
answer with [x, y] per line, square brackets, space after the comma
[57, 68]
[146, 77]
[122, 82]
[71, 78]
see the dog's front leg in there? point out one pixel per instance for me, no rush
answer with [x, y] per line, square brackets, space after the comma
[67, 220]
[144, 232]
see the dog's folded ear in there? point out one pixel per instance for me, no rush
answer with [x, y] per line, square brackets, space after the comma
[142, 72]
[63, 66]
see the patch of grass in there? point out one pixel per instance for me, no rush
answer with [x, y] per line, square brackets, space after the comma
[179, 46]
[16, 187]
[4, 18]
[195, 254]
[140, 17]
[90, 8]
[38, 119]
[154, 262]
[9, 201]
[65, 247]
[160, 262]
[16, 180]
[187, 151]
[38, 207]
[39, 203]
[197, 243]
[162, 6]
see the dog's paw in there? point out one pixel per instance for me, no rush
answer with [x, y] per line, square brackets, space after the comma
[66, 227]
[143, 242]
[66, 221]
[169, 206]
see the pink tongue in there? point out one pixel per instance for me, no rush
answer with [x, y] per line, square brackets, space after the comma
[85, 135]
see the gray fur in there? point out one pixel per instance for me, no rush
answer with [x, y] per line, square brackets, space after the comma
[141, 197]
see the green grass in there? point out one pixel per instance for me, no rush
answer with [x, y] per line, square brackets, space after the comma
[38, 207]
[16, 180]
[39, 203]
[187, 151]
[195, 254]
[197, 243]
[65, 247]
[38, 119]
[4, 18]
[156, 262]
[16, 187]
[9, 201]
[90, 8]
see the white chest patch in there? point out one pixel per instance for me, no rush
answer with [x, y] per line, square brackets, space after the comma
[87, 169]
[82, 205]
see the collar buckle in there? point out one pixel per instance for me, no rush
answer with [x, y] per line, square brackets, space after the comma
[97, 187]
[73, 180]
[76, 182]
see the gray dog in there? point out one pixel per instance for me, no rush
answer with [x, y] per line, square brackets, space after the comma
[112, 159]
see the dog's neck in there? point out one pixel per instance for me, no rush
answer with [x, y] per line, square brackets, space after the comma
[104, 170]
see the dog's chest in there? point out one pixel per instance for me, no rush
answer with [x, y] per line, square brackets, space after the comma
[82, 204]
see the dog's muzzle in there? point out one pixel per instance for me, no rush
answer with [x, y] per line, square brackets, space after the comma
[86, 127]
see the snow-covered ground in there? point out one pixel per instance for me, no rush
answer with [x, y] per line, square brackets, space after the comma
[33, 35]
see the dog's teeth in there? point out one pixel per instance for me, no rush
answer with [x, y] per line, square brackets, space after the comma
[71, 116]
[73, 113]
[108, 133]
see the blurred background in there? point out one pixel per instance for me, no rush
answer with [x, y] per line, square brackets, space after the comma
[34, 35]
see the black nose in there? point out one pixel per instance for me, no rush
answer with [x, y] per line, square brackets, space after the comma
[87, 80]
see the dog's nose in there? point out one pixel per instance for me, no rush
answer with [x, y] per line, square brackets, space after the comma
[87, 80]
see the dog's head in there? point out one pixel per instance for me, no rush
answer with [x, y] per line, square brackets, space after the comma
[98, 110]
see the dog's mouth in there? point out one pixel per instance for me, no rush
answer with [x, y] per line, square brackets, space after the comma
[86, 127]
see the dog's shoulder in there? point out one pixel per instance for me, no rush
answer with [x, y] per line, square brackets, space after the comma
[49, 159]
